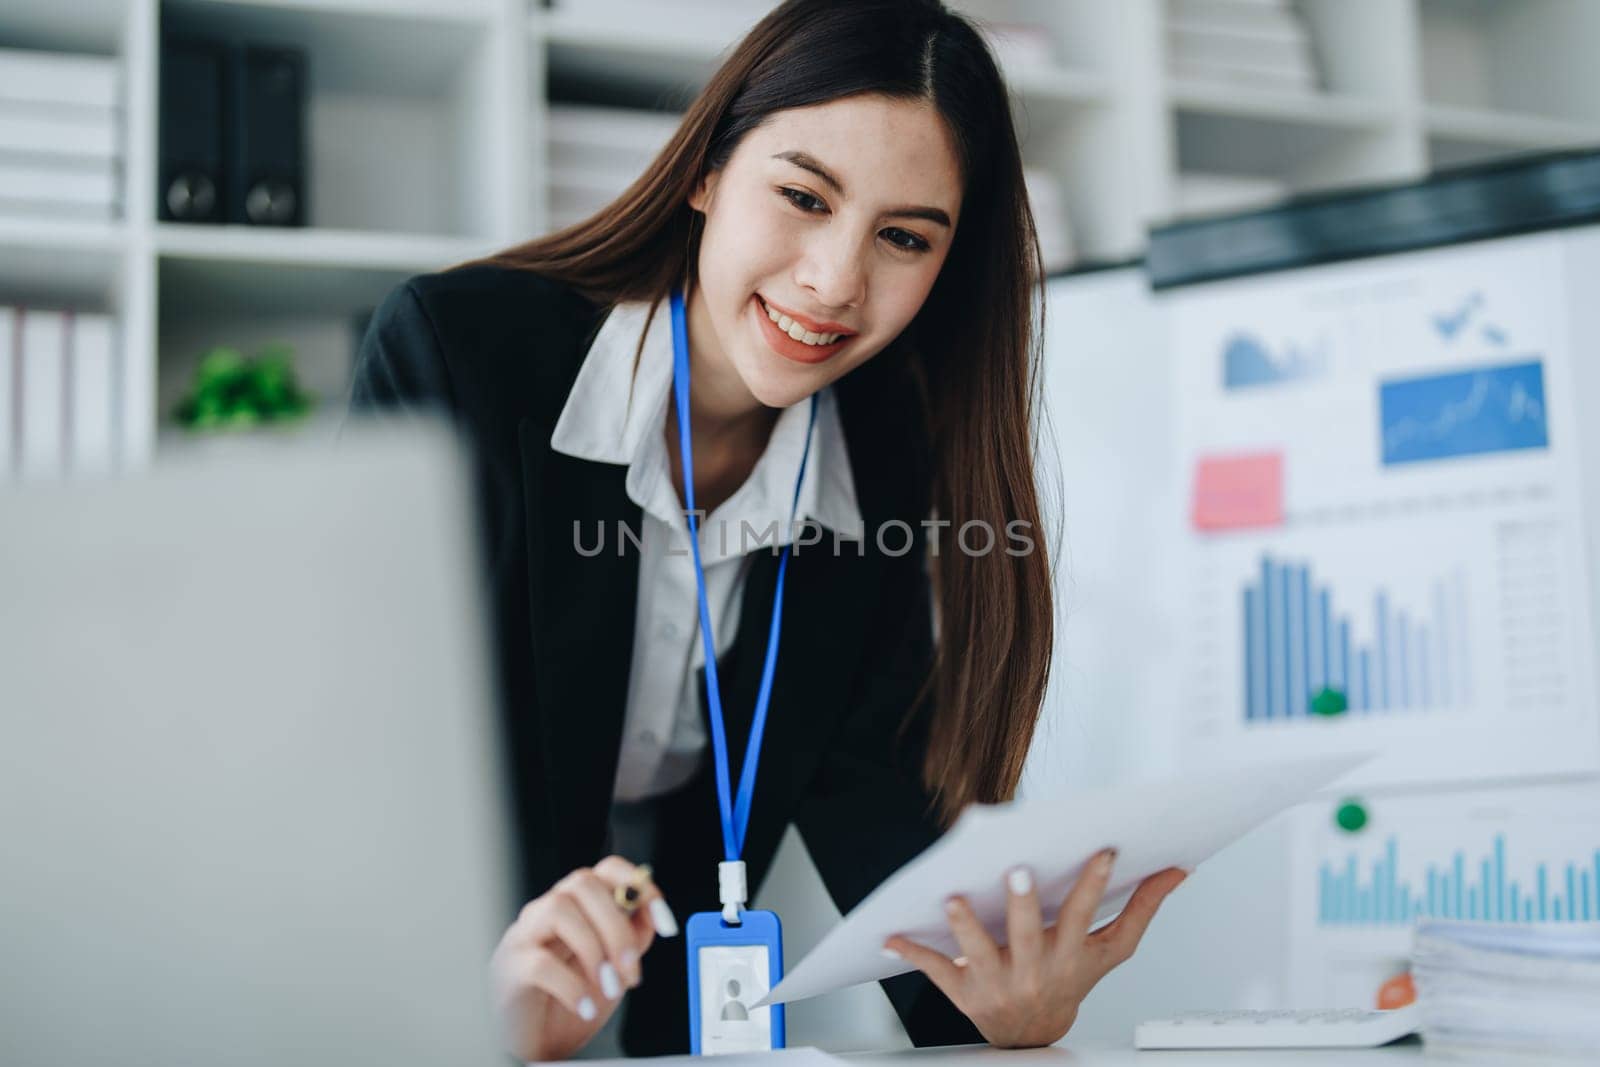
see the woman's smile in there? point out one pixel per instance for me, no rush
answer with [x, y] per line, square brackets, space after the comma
[784, 343]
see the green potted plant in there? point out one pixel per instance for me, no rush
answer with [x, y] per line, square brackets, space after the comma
[230, 392]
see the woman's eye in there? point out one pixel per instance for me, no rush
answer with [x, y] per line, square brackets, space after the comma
[905, 239]
[802, 199]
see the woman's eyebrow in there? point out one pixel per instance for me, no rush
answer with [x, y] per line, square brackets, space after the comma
[805, 161]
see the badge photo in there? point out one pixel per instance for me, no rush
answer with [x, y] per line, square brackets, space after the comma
[731, 967]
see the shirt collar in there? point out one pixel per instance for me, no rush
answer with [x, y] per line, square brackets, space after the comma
[616, 414]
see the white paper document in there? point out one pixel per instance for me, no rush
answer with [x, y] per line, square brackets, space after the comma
[1176, 823]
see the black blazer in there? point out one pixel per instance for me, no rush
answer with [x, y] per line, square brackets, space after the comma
[498, 351]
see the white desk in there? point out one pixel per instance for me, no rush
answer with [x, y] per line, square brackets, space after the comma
[1099, 1054]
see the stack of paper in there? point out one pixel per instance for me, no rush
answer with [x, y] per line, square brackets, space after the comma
[1525, 991]
[60, 135]
[59, 378]
[1252, 43]
[597, 152]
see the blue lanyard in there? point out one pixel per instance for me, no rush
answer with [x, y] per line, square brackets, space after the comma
[735, 814]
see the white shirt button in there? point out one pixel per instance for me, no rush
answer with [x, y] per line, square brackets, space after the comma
[668, 631]
[647, 738]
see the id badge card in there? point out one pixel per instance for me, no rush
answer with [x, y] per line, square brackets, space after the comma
[730, 968]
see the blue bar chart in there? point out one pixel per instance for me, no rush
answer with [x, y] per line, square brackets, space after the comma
[1296, 645]
[1374, 894]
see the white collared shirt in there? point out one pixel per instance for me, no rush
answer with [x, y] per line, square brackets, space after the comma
[614, 415]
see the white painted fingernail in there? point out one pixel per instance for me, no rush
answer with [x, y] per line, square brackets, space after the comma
[1020, 880]
[960, 961]
[665, 922]
[609, 985]
[586, 1010]
[891, 953]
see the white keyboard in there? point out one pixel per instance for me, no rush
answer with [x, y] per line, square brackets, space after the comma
[1311, 1028]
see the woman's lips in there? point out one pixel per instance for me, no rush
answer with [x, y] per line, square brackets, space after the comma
[787, 346]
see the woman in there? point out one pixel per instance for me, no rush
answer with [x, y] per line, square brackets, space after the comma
[842, 213]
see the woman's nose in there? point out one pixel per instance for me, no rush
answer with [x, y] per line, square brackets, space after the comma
[833, 268]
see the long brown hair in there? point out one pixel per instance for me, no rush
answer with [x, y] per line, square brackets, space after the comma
[973, 346]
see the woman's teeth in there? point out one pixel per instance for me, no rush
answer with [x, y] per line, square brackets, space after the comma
[799, 332]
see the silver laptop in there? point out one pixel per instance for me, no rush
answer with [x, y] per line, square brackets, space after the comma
[251, 808]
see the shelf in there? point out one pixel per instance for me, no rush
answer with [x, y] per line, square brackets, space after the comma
[1057, 84]
[415, 49]
[1533, 57]
[240, 270]
[660, 66]
[60, 262]
[25, 234]
[433, 10]
[270, 290]
[1512, 130]
[1324, 110]
[95, 27]
[314, 247]
[401, 129]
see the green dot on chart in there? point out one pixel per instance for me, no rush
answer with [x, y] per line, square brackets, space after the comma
[1351, 816]
[1329, 702]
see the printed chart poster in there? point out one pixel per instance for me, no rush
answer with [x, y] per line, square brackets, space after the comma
[1386, 550]
[1527, 854]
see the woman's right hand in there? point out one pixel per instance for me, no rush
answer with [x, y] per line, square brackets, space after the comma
[560, 970]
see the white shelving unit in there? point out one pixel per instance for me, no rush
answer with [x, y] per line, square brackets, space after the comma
[427, 124]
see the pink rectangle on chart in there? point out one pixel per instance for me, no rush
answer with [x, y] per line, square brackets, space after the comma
[1237, 491]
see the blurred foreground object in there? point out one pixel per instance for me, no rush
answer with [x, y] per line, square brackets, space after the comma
[1526, 991]
[250, 810]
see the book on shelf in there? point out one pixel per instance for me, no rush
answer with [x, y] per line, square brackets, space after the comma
[596, 152]
[1233, 14]
[718, 22]
[59, 78]
[86, 189]
[1255, 43]
[620, 141]
[93, 382]
[1288, 81]
[44, 131]
[1288, 52]
[59, 378]
[10, 342]
[43, 393]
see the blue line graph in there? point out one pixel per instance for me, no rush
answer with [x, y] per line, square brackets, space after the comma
[1492, 409]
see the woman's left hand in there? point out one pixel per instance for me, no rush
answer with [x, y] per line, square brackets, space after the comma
[1027, 994]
